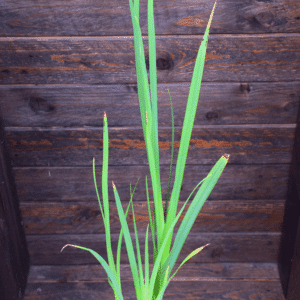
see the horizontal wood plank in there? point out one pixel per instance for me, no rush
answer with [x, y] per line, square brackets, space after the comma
[189, 272]
[251, 144]
[240, 182]
[83, 105]
[96, 60]
[215, 216]
[224, 247]
[112, 17]
[204, 290]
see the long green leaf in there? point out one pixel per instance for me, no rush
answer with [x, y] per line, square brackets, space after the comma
[167, 281]
[194, 209]
[172, 155]
[152, 223]
[96, 188]
[146, 264]
[154, 164]
[149, 128]
[118, 263]
[153, 85]
[128, 243]
[162, 270]
[155, 271]
[137, 243]
[106, 267]
[188, 123]
[141, 71]
[153, 80]
[158, 206]
[193, 253]
[105, 193]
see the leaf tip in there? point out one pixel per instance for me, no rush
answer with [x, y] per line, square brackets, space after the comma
[226, 156]
[201, 248]
[65, 246]
[113, 185]
[211, 15]
[104, 118]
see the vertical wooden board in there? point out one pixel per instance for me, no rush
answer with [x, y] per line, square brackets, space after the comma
[14, 257]
[293, 291]
[289, 244]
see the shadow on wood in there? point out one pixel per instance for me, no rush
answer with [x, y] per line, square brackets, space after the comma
[14, 257]
[288, 258]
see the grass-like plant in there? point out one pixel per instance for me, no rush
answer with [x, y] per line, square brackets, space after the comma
[162, 220]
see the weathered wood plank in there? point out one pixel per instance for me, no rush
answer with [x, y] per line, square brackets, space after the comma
[265, 275]
[187, 290]
[240, 182]
[224, 247]
[251, 144]
[189, 272]
[96, 60]
[219, 104]
[112, 17]
[216, 216]
[237, 275]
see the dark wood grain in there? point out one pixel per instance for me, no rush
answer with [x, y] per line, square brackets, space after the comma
[205, 280]
[215, 216]
[187, 290]
[224, 247]
[251, 144]
[244, 182]
[189, 271]
[57, 18]
[96, 60]
[219, 104]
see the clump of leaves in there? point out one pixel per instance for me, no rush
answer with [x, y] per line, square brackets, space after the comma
[162, 220]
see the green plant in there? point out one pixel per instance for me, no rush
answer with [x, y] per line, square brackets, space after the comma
[162, 221]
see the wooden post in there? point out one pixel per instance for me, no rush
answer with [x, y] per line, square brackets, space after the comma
[293, 292]
[289, 255]
[14, 257]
